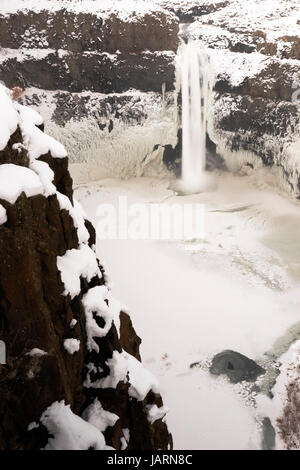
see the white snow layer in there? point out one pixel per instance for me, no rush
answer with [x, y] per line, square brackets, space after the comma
[39, 143]
[141, 380]
[15, 179]
[129, 10]
[36, 141]
[77, 263]
[77, 214]
[43, 170]
[155, 413]
[29, 115]
[69, 431]
[125, 368]
[8, 117]
[98, 417]
[37, 179]
[36, 352]
[71, 345]
[95, 303]
[3, 215]
[118, 365]
[73, 323]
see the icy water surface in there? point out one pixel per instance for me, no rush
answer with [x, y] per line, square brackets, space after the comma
[237, 289]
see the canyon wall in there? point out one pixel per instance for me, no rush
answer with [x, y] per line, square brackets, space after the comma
[111, 65]
[254, 50]
[101, 50]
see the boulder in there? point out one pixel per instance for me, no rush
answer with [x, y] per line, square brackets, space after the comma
[235, 366]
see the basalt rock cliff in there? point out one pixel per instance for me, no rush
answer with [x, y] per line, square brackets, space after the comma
[98, 50]
[73, 377]
[255, 64]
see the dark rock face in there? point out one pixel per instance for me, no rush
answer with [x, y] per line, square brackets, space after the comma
[236, 366]
[34, 313]
[84, 31]
[73, 107]
[172, 155]
[256, 65]
[76, 72]
[89, 51]
[268, 435]
[273, 82]
[289, 422]
[189, 11]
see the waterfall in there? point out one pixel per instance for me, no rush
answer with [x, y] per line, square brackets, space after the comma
[192, 80]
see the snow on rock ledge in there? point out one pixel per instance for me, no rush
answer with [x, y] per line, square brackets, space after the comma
[69, 431]
[75, 264]
[98, 417]
[95, 304]
[15, 179]
[3, 216]
[9, 117]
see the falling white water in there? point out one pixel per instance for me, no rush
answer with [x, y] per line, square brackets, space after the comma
[192, 80]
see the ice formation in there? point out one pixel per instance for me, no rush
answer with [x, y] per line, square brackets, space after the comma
[192, 80]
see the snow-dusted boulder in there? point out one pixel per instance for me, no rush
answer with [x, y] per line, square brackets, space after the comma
[73, 377]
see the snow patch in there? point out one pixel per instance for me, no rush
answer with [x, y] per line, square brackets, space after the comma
[46, 176]
[32, 426]
[73, 323]
[98, 417]
[118, 365]
[95, 304]
[8, 117]
[77, 214]
[69, 431]
[74, 264]
[3, 215]
[141, 379]
[25, 180]
[124, 368]
[38, 143]
[155, 413]
[71, 345]
[36, 352]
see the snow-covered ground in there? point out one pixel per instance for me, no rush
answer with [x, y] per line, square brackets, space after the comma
[189, 301]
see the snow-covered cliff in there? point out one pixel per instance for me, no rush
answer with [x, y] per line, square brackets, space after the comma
[73, 378]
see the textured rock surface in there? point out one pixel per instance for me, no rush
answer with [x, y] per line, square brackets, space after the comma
[288, 423]
[187, 11]
[254, 52]
[99, 50]
[35, 312]
[100, 72]
[236, 366]
[107, 135]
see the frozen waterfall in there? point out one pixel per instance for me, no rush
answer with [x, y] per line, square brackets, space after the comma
[192, 81]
